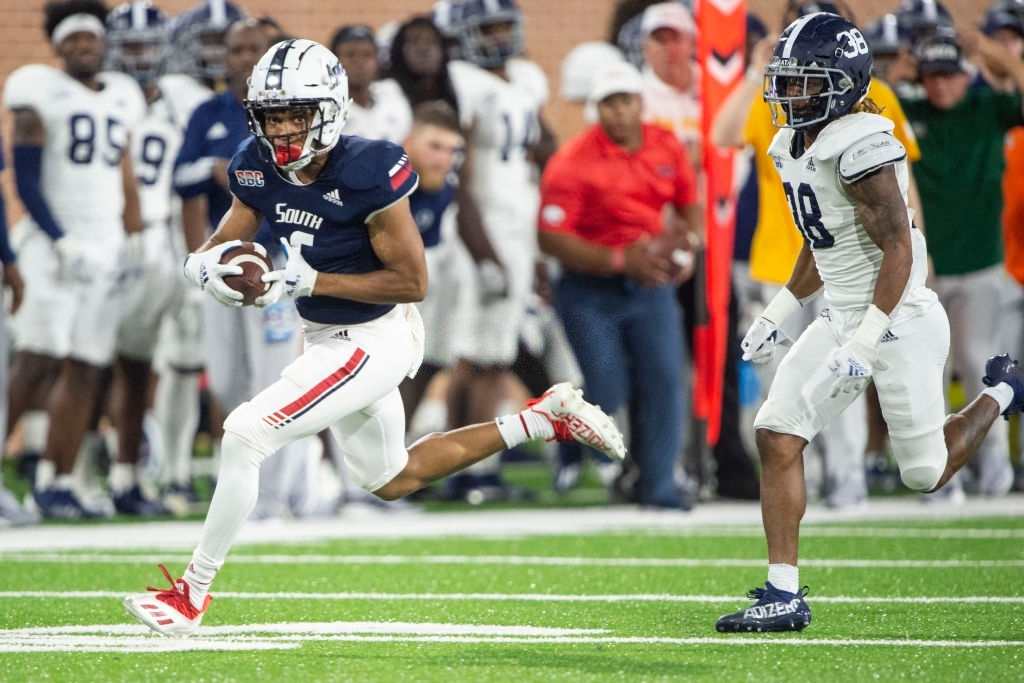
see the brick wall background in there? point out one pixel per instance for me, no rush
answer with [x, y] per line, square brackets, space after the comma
[552, 28]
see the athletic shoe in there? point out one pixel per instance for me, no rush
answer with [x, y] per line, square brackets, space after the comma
[567, 477]
[1002, 368]
[13, 512]
[170, 612]
[179, 499]
[775, 610]
[575, 419]
[133, 502]
[54, 503]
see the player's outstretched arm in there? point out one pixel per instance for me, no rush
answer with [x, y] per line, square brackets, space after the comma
[880, 209]
[397, 243]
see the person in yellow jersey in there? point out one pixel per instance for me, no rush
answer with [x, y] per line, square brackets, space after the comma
[745, 120]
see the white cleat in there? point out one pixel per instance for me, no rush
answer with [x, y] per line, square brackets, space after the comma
[168, 611]
[575, 419]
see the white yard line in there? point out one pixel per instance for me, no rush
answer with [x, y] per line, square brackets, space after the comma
[355, 523]
[509, 560]
[533, 597]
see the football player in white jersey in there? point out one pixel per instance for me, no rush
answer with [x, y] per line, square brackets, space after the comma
[138, 40]
[71, 131]
[379, 109]
[846, 178]
[500, 96]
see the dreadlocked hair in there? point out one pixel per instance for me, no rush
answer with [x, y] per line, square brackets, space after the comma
[56, 11]
[867, 106]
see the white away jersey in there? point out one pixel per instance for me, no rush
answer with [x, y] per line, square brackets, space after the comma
[390, 117]
[155, 144]
[86, 133]
[845, 150]
[502, 119]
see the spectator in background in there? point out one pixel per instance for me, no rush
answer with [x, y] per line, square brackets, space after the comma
[379, 110]
[604, 195]
[744, 119]
[626, 31]
[419, 63]
[578, 70]
[670, 77]
[272, 30]
[962, 130]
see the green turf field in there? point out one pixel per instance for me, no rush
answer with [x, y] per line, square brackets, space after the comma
[892, 600]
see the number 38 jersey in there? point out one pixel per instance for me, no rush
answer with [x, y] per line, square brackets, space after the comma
[86, 133]
[815, 181]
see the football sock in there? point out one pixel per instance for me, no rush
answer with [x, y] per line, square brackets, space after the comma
[524, 426]
[63, 482]
[45, 472]
[1001, 393]
[233, 501]
[122, 477]
[785, 577]
[176, 409]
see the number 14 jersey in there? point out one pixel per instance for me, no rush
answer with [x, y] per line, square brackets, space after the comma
[815, 181]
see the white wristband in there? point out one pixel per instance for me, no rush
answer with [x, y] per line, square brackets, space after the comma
[872, 327]
[782, 305]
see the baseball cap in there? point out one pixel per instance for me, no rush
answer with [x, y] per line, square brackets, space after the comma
[580, 66]
[672, 15]
[614, 78]
[939, 55]
[996, 19]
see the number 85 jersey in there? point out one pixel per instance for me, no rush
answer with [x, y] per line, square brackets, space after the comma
[86, 134]
[815, 181]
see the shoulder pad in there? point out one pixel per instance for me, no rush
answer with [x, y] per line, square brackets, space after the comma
[25, 86]
[365, 163]
[530, 76]
[780, 143]
[842, 133]
[870, 154]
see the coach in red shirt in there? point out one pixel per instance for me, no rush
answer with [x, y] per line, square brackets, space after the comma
[618, 206]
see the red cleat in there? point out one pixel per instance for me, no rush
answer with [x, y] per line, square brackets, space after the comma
[575, 419]
[168, 611]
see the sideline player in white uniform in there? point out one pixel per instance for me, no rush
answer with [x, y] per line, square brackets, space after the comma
[500, 96]
[139, 42]
[846, 180]
[71, 129]
[379, 110]
[354, 267]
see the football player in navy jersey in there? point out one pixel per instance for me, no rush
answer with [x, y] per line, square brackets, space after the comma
[355, 262]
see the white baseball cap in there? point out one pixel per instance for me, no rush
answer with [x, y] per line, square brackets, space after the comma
[580, 66]
[614, 78]
[672, 15]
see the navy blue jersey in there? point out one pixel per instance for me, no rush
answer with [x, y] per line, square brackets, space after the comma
[427, 207]
[328, 217]
[215, 130]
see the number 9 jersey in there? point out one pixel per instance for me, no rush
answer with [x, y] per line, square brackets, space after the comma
[815, 179]
[86, 134]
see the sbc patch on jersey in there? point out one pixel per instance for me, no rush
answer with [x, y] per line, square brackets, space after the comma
[249, 178]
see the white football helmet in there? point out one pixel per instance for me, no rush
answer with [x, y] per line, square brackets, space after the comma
[296, 74]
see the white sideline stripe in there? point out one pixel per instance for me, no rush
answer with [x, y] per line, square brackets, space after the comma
[513, 560]
[538, 597]
[810, 531]
[323, 628]
[134, 645]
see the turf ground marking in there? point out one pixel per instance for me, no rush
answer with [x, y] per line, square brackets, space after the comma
[536, 597]
[134, 638]
[509, 560]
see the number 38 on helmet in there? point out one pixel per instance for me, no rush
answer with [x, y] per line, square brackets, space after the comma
[820, 70]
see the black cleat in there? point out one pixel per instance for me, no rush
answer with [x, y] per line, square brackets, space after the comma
[774, 610]
[1002, 368]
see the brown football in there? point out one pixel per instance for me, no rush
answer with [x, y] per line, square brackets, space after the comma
[254, 266]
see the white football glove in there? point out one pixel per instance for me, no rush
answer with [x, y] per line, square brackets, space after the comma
[762, 338]
[205, 271]
[852, 365]
[73, 262]
[297, 278]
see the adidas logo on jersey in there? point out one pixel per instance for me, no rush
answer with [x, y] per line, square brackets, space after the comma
[888, 337]
[334, 197]
[810, 165]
